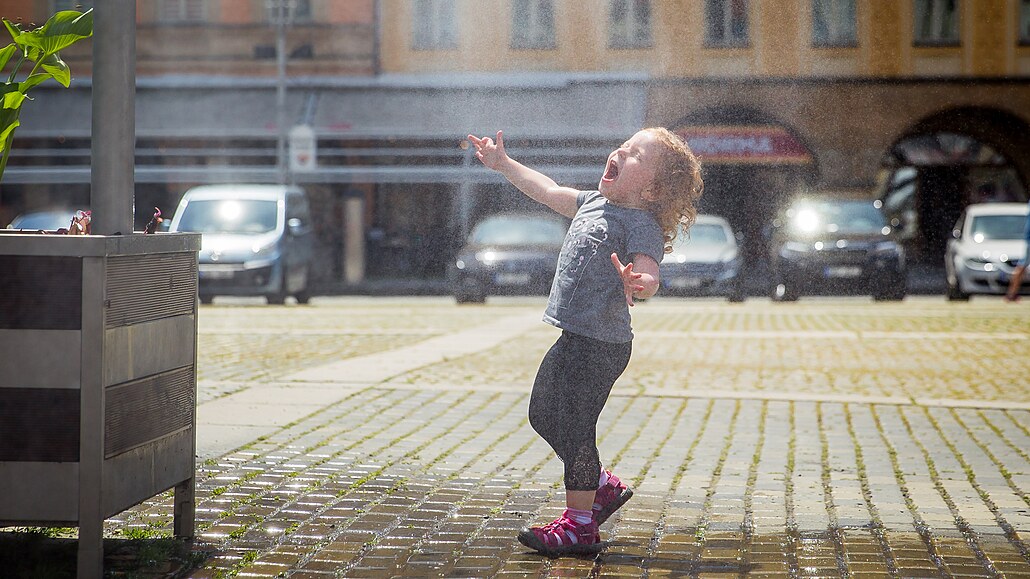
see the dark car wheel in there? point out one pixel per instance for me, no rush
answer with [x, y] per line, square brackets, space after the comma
[893, 295]
[893, 291]
[955, 294]
[303, 296]
[736, 294]
[470, 298]
[278, 298]
[206, 298]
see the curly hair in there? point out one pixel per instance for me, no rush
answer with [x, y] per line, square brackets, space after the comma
[677, 186]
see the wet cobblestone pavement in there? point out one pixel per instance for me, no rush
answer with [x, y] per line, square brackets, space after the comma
[826, 438]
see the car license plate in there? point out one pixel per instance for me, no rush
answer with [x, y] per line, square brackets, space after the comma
[844, 271]
[685, 283]
[215, 273]
[512, 278]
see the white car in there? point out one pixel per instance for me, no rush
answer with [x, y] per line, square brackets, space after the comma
[987, 244]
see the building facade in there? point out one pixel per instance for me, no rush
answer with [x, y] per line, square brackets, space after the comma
[925, 103]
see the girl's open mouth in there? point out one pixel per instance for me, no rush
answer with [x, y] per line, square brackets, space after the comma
[611, 172]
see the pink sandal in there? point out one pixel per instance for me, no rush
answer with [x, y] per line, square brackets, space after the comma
[610, 497]
[563, 536]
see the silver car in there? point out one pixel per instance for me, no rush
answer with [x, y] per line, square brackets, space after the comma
[704, 262]
[257, 240]
[987, 244]
[47, 220]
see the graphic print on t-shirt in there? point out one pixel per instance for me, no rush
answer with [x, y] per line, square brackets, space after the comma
[581, 244]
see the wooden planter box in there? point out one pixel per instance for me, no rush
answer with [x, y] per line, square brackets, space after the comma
[98, 390]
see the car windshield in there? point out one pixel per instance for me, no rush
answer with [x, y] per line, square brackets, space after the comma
[701, 234]
[508, 230]
[229, 216]
[986, 227]
[46, 220]
[836, 217]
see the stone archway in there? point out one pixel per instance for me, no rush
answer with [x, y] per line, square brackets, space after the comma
[947, 161]
[751, 162]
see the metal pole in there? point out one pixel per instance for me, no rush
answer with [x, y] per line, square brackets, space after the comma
[465, 193]
[281, 15]
[114, 117]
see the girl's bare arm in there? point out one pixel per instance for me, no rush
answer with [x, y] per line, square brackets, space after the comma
[533, 183]
[639, 277]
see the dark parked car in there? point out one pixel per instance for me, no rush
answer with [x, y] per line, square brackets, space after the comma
[704, 262]
[508, 254]
[835, 245]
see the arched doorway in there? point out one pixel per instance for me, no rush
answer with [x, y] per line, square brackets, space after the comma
[751, 164]
[946, 162]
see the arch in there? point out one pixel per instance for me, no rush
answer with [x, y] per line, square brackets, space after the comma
[1006, 132]
[947, 160]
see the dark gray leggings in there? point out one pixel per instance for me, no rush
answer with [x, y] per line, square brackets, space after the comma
[571, 388]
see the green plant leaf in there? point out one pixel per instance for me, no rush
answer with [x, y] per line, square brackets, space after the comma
[8, 122]
[33, 80]
[16, 34]
[13, 99]
[62, 30]
[14, 30]
[58, 69]
[6, 53]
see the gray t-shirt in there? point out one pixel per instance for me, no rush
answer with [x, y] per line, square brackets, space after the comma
[586, 295]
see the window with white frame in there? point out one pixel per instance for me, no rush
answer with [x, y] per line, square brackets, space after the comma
[1024, 22]
[80, 5]
[726, 23]
[834, 23]
[936, 22]
[434, 25]
[182, 10]
[295, 10]
[629, 24]
[532, 24]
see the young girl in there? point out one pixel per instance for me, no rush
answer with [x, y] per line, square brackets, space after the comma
[610, 256]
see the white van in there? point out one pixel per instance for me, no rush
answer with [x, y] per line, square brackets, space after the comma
[256, 240]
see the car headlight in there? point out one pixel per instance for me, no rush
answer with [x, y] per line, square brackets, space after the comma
[487, 258]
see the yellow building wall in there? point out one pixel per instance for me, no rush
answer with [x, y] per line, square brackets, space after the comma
[775, 35]
[780, 42]
[989, 37]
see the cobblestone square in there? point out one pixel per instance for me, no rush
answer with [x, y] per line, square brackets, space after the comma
[363, 437]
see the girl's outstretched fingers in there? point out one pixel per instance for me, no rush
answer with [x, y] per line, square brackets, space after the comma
[628, 278]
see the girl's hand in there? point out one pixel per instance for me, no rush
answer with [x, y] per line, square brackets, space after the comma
[629, 278]
[490, 153]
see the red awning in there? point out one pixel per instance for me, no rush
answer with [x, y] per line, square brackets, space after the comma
[745, 144]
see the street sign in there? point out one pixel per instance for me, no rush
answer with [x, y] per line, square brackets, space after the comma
[303, 149]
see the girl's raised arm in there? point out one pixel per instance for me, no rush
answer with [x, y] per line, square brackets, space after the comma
[533, 183]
